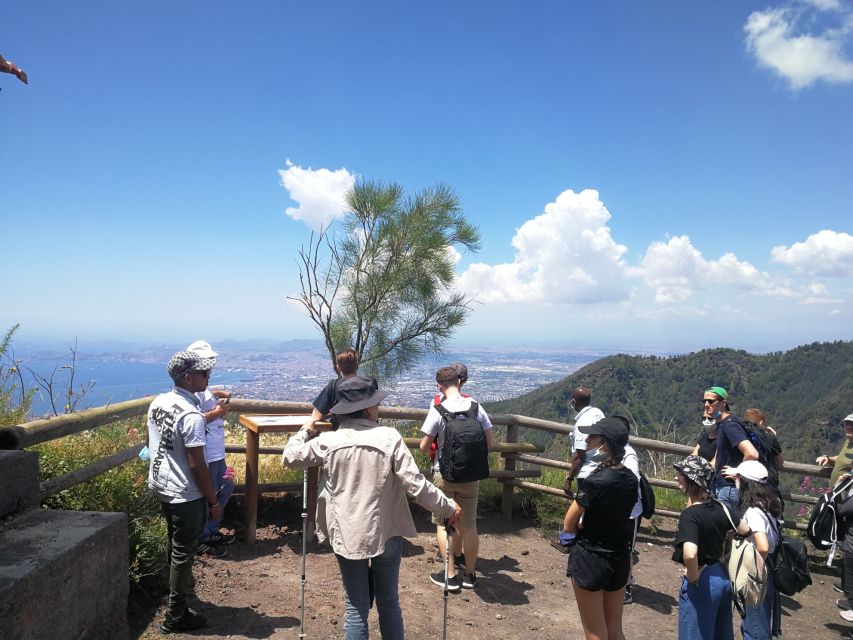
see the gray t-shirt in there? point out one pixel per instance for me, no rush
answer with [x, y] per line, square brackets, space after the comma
[174, 425]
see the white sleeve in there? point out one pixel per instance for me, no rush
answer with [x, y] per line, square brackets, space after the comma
[432, 423]
[483, 417]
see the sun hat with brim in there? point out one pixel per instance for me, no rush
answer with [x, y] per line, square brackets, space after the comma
[184, 362]
[357, 393]
[752, 470]
[698, 470]
[203, 349]
[615, 429]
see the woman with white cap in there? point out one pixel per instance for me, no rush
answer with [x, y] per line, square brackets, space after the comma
[370, 471]
[705, 601]
[761, 509]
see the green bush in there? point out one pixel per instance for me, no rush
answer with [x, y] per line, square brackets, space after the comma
[123, 489]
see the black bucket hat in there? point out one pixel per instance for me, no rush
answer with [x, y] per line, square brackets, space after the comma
[698, 470]
[357, 393]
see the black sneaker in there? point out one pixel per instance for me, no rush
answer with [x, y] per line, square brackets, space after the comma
[628, 599]
[190, 621]
[837, 587]
[205, 550]
[220, 539]
[452, 583]
[459, 560]
[469, 581]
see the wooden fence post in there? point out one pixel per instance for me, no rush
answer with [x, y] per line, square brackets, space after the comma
[509, 465]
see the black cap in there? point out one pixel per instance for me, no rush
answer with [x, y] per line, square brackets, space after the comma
[614, 429]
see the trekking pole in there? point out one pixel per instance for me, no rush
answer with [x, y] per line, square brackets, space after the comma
[304, 547]
[447, 553]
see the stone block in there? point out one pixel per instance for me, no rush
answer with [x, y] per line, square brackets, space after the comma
[19, 477]
[63, 574]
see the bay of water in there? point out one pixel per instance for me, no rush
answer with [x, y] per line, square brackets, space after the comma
[115, 381]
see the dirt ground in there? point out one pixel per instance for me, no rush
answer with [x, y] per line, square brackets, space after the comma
[523, 591]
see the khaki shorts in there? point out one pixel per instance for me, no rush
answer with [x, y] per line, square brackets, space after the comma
[465, 494]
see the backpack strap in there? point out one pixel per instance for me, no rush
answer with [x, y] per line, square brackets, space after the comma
[442, 410]
[728, 514]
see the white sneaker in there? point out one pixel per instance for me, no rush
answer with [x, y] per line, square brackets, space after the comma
[847, 614]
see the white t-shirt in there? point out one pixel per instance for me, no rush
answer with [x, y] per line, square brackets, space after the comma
[631, 461]
[585, 417]
[434, 424]
[214, 449]
[758, 521]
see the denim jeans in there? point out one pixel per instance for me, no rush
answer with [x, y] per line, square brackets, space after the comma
[756, 625]
[184, 522]
[729, 495]
[386, 576]
[705, 611]
[224, 489]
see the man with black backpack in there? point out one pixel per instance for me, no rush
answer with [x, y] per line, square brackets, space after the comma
[464, 435]
[733, 445]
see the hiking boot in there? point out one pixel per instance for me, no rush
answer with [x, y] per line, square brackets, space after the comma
[206, 550]
[628, 599]
[222, 539]
[842, 603]
[847, 615]
[559, 546]
[452, 583]
[459, 560]
[469, 580]
[190, 621]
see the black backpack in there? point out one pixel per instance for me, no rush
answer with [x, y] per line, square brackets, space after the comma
[789, 563]
[647, 497]
[824, 522]
[464, 455]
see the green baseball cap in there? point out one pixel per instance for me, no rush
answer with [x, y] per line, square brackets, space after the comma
[719, 391]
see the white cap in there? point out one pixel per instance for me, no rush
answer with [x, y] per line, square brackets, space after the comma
[848, 418]
[752, 470]
[203, 349]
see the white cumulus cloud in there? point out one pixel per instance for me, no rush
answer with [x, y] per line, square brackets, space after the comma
[320, 193]
[675, 270]
[825, 253]
[773, 37]
[566, 254]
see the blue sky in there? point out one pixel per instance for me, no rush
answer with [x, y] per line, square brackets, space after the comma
[672, 175]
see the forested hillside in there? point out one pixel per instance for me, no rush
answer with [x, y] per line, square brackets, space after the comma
[804, 392]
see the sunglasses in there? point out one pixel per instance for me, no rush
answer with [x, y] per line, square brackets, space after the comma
[707, 401]
[206, 374]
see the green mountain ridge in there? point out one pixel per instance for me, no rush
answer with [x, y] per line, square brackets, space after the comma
[804, 392]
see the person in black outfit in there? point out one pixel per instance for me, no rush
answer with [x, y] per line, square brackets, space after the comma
[706, 441]
[346, 364]
[705, 602]
[600, 521]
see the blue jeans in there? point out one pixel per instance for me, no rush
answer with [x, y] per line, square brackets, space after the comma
[386, 576]
[705, 611]
[756, 624]
[224, 489]
[729, 495]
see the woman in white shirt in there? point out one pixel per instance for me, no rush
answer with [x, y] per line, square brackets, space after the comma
[761, 509]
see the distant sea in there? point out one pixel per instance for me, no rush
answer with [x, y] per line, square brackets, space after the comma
[114, 382]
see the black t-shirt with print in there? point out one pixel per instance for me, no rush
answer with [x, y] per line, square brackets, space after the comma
[705, 525]
[608, 496]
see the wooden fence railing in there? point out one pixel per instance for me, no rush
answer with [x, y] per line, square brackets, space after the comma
[513, 451]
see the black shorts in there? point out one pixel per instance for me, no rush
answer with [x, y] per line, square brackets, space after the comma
[594, 571]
